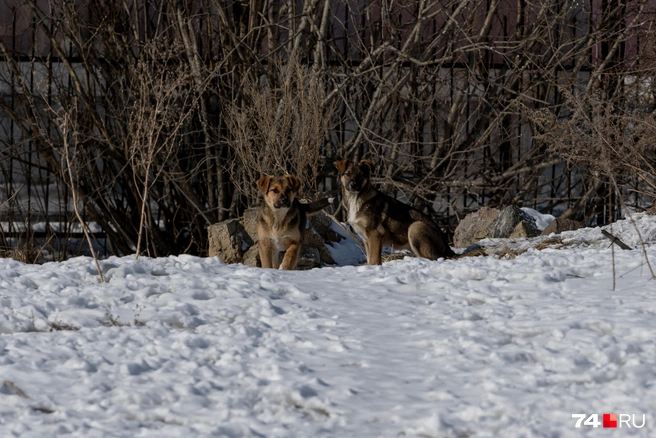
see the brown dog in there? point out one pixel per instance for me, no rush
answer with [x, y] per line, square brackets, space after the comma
[381, 220]
[281, 224]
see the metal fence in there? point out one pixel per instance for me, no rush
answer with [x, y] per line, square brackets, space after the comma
[37, 205]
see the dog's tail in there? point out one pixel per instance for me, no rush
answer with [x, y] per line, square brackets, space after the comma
[315, 207]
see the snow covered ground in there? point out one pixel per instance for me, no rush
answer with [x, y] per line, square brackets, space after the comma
[507, 346]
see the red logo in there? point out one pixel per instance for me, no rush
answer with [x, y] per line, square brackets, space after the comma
[610, 420]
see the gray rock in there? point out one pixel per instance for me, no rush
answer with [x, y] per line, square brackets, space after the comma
[309, 258]
[252, 257]
[249, 221]
[474, 227]
[226, 240]
[522, 230]
[559, 225]
[321, 224]
[318, 241]
[504, 225]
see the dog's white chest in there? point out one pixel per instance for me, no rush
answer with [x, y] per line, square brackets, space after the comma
[353, 209]
[279, 243]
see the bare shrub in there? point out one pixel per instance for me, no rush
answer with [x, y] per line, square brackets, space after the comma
[279, 125]
[158, 114]
[612, 139]
[609, 139]
[25, 249]
[438, 93]
[69, 147]
[145, 159]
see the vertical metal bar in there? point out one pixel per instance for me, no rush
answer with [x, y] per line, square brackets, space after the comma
[49, 133]
[28, 165]
[346, 31]
[67, 195]
[10, 205]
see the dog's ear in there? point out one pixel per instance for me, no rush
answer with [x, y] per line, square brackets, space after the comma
[263, 183]
[341, 165]
[367, 164]
[294, 182]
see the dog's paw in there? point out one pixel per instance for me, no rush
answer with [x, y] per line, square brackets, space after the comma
[331, 200]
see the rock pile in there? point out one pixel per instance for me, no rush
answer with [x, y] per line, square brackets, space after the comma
[511, 222]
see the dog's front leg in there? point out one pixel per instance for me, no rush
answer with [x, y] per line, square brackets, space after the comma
[374, 248]
[291, 255]
[367, 250]
[265, 247]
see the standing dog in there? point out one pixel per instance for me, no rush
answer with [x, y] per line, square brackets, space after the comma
[381, 220]
[281, 223]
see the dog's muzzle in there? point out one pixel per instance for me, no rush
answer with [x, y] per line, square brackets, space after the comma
[281, 203]
[353, 187]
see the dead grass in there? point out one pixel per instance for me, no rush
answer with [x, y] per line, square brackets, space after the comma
[27, 253]
[554, 243]
[394, 256]
[112, 320]
[509, 253]
[58, 326]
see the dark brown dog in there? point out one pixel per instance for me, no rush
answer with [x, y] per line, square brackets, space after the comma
[281, 224]
[381, 220]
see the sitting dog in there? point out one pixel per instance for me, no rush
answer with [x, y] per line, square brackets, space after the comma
[381, 220]
[281, 224]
